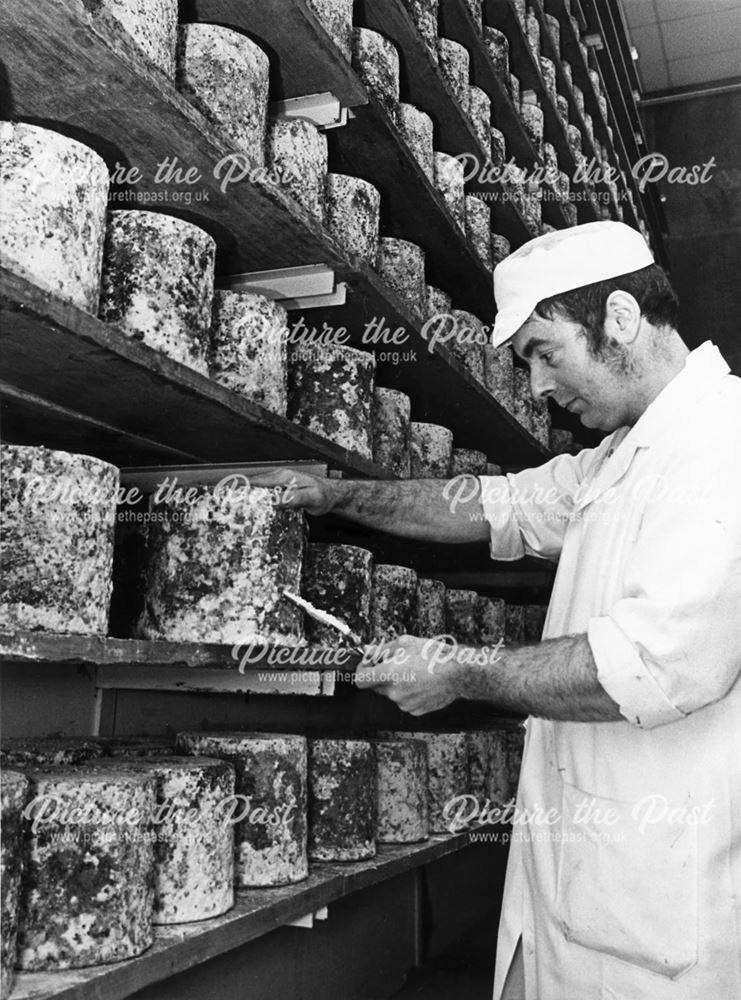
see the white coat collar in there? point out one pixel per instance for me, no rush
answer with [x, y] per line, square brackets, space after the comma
[703, 368]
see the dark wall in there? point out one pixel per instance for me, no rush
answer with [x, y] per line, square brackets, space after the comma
[704, 220]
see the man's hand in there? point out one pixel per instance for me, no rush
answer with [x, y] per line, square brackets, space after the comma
[301, 491]
[419, 675]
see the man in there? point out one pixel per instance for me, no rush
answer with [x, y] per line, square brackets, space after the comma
[632, 889]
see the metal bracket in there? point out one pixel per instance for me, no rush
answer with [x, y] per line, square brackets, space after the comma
[308, 919]
[324, 110]
[311, 286]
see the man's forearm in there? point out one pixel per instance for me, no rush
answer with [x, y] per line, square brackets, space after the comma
[557, 679]
[428, 509]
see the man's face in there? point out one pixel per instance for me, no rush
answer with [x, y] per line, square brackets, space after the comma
[562, 368]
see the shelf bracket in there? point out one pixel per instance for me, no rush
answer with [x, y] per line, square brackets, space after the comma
[323, 110]
[311, 286]
[308, 919]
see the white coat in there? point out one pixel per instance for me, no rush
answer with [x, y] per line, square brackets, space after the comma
[633, 891]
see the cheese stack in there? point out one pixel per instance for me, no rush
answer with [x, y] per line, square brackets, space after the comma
[271, 788]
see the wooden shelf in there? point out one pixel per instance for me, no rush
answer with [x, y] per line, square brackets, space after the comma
[304, 60]
[50, 348]
[423, 85]
[502, 15]
[153, 665]
[136, 117]
[57, 353]
[370, 146]
[456, 23]
[256, 913]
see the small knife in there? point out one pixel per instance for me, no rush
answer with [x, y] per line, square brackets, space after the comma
[326, 619]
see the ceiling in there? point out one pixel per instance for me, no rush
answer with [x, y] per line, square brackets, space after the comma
[682, 43]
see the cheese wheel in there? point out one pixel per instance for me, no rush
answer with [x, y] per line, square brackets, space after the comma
[297, 153]
[491, 620]
[498, 790]
[478, 227]
[431, 451]
[534, 121]
[336, 16]
[514, 624]
[52, 211]
[424, 13]
[353, 215]
[158, 283]
[216, 569]
[514, 742]
[469, 341]
[439, 303]
[416, 127]
[394, 589]
[475, 9]
[523, 398]
[134, 746]
[448, 772]
[249, 338]
[468, 462]
[498, 148]
[193, 838]
[461, 615]
[534, 621]
[548, 69]
[500, 248]
[338, 579]
[88, 888]
[497, 45]
[533, 33]
[478, 762]
[479, 111]
[499, 376]
[514, 89]
[403, 809]
[332, 394]
[561, 442]
[56, 540]
[455, 66]
[428, 609]
[450, 182]
[271, 792]
[152, 25]
[541, 422]
[44, 752]
[13, 794]
[342, 800]
[392, 431]
[401, 264]
[554, 29]
[225, 75]
[376, 59]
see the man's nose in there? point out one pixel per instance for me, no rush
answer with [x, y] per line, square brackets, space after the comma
[541, 382]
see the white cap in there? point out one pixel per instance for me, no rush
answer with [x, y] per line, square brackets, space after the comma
[559, 262]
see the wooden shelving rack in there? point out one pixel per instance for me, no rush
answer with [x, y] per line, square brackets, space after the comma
[73, 382]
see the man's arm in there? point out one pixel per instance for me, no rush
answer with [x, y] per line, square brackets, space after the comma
[434, 510]
[557, 679]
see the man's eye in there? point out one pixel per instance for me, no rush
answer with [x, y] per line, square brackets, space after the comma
[547, 357]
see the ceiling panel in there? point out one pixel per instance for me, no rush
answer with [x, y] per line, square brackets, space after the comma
[669, 10]
[639, 12]
[703, 69]
[684, 42]
[691, 36]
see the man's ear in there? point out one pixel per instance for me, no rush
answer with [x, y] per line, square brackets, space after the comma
[622, 317]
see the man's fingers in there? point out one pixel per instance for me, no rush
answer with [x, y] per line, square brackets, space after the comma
[268, 480]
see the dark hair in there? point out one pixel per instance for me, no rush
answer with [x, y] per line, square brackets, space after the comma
[587, 305]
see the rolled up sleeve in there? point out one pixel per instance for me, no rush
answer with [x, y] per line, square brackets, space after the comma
[672, 644]
[528, 512]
